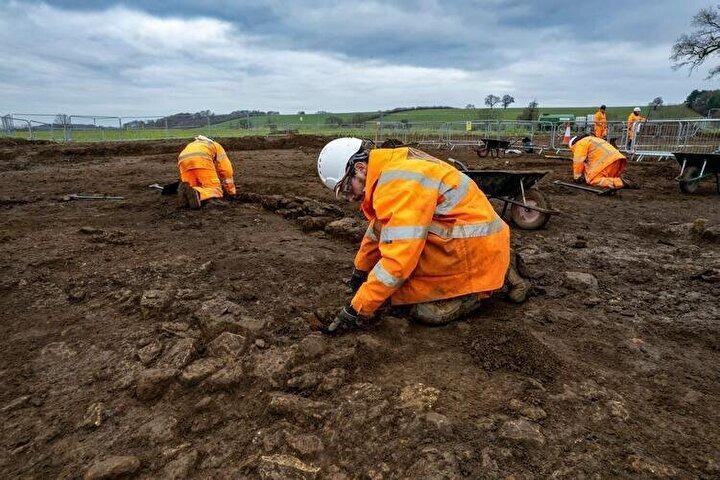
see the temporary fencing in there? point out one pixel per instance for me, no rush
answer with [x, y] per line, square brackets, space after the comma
[654, 138]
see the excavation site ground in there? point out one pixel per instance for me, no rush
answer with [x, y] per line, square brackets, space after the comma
[143, 340]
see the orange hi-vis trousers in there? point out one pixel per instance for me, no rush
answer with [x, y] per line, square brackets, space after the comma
[204, 180]
[609, 177]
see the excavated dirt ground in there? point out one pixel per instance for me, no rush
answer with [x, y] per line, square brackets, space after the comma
[142, 340]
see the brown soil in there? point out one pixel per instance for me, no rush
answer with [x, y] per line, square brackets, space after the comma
[183, 338]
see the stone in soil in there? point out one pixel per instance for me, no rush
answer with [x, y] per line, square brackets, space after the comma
[311, 347]
[299, 408]
[94, 416]
[305, 381]
[152, 383]
[149, 352]
[418, 397]
[19, 402]
[182, 467]
[217, 316]
[434, 463]
[227, 345]
[333, 380]
[272, 365]
[199, 370]
[113, 467]
[304, 444]
[347, 227]
[180, 354]
[154, 302]
[522, 431]
[649, 467]
[285, 467]
[224, 379]
[159, 430]
[438, 421]
[580, 281]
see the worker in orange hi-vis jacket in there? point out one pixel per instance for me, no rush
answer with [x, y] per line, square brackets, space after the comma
[434, 244]
[633, 123]
[600, 123]
[205, 172]
[597, 163]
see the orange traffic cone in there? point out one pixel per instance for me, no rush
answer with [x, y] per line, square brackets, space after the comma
[567, 136]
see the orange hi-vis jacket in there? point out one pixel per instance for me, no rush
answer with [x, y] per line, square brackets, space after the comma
[207, 154]
[631, 121]
[592, 155]
[601, 126]
[433, 234]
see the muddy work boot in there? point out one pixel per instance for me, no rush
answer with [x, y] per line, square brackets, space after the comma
[516, 286]
[442, 312]
[188, 196]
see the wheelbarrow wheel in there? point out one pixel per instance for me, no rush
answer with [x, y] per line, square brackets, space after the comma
[685, 185]
[528, 219]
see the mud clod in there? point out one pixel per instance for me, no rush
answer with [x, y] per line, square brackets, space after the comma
[113, 467]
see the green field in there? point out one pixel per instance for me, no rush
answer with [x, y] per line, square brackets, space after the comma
[422, 122]
[459, 115]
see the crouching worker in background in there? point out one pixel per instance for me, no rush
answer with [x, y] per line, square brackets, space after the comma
[598, 163]
[434, 244]
[205, 173]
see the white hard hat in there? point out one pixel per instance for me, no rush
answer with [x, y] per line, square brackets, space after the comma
[636, 109]
[203, 138]
[572, 141]
[334, 157]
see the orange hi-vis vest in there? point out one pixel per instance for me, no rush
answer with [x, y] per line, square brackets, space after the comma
[631, 127]
[600, 124]
[208, 154]
[433, 234]
[591, 155]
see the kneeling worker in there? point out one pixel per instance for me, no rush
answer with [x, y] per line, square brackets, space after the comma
[597, 163]
[205, 172]
[434, 242]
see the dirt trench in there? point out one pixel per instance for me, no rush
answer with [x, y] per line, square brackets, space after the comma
[154, 342]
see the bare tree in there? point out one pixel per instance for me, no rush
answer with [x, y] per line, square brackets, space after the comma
[61, 119]
[694, 48]
[507, 100]
[492, 100]
[531, 112]
[656, 103]
[469, 106]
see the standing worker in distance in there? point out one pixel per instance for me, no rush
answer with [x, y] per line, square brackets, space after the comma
[205, 172]
[434, 242]
[600, 123]
[597, 163]
[633, 123]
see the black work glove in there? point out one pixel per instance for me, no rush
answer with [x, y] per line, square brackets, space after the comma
[357, 278]
[347, 319]
[580, 180]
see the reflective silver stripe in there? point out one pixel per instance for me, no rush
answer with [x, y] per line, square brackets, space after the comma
[370, 233]
[389, 234]
[228, 180]
[197, 154]
[454, 196]
[385, 277]
[427, 182]
[222, 156]
[469, 230]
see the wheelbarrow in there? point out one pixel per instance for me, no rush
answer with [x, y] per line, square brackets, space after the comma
[695, 167]
[529, 208]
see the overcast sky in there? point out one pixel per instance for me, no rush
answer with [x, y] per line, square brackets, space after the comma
[160, 57]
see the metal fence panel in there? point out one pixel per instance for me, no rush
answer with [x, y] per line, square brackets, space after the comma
[658, 138]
